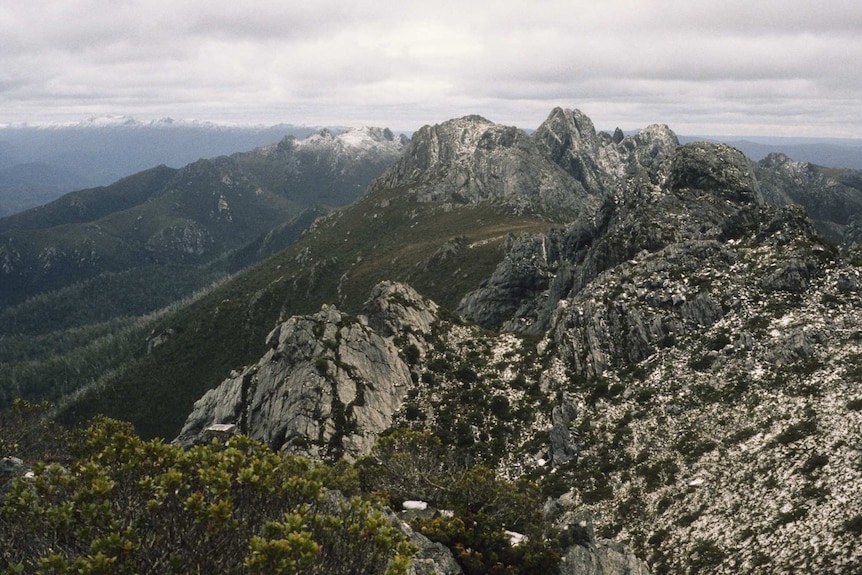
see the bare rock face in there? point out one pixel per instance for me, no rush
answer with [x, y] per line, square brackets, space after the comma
[601, 163]
[330, 383]
[586, 554]
[470, 159]
[606, 558]
[538, 269]
[10, 469]
[394, 308]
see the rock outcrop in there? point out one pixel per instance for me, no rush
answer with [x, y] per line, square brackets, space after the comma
[605, 558]
[329, 384]
[11, 468]
[601, 163]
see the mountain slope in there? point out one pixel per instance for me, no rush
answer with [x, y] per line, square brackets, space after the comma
[100, 151]
[693, 382]
[23, 186]
[831, 197]
[188, 216]
[98, 267]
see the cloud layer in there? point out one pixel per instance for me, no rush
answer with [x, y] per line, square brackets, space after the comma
[733, 67]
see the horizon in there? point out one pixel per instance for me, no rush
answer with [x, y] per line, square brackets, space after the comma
[106, 121]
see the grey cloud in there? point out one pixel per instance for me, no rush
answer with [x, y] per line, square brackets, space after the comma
[745, 64]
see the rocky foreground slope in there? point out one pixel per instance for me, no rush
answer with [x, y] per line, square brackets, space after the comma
[680, 359]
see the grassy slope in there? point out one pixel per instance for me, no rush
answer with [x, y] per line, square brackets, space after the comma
[386, 235]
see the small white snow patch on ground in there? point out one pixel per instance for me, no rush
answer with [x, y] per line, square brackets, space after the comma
[415, 505]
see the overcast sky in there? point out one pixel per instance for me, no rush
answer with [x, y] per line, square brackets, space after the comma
[706, 67]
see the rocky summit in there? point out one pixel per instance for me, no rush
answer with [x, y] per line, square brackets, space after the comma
[676, 357]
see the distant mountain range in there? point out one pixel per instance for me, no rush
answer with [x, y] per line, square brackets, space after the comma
[827, 152]
[192, 215]
[92, 269]
[39, 163]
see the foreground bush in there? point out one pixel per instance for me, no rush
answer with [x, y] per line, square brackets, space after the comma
[416, 465]
[128, 506]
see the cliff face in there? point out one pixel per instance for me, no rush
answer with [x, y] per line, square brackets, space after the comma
[330, 383]
[601, 163]
[694, 195]
[679, 359]
[472, 160]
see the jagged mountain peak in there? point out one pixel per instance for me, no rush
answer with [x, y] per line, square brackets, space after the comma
[700, 192]
[599, 162]
[777, 159]
[470, 159]
[366, 136]
[652, 143]
[455, 140]
[561, 165]
[566, 124]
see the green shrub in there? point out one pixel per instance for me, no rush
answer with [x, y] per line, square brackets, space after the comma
[705, 556]
[500, 407]
[646, 394]
[466, 374]
[702, 362]
[412, 354]
[25, 432]
[417, 465]
[128, 506]
[719, 342]
[321, 365]
[815, 462]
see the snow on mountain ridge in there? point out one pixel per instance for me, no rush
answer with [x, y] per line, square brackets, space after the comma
[363, 139]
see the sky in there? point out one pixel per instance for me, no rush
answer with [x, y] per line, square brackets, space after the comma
[704, 67]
